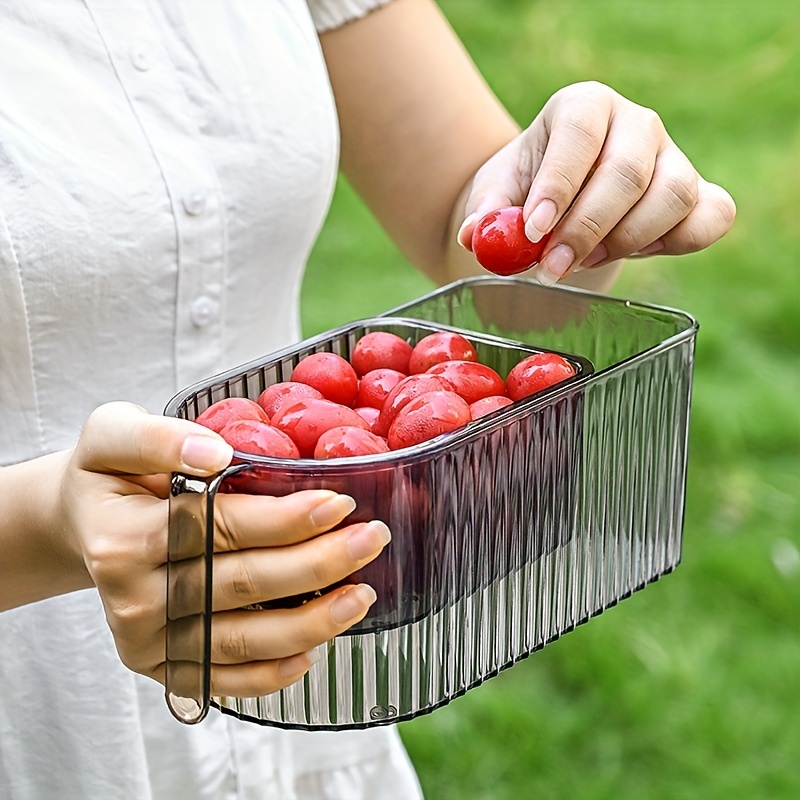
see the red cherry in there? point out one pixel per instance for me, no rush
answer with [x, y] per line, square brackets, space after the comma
[380, 350]
[368, 414]
[223, 412]
[343, 442]
[259, 439]
[438, 347]
[307, 419]
[500, 244]
[405, 391]
[537, 372]
[274, 397]
[471, 380]
[426, 416]
[329, 374]
[374, 387]
[484, 406]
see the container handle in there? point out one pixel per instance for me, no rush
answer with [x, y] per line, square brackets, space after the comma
[189, 581]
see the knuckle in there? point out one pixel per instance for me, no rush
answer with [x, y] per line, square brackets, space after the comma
[323, 569]
[103, 557]
[232, 645]
[242, 587]
[130, 657]
[692, 240]
[93, 427]
[591, 227]
[727, 210]
[586, 129]
[682, 193]
[310, 628]
[598, 88]
[623, 240]
[152, 541]
[583, 88]
[225, 537]
[315, 625]
[562, 187]
[632, 173]
[152, 435]
[652, 120]
[131, 614]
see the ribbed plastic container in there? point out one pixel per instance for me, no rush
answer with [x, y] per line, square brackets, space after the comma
[505, 534]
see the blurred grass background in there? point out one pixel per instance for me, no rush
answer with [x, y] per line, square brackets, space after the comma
[691, 688]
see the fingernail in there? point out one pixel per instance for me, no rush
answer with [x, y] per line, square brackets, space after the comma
[654, 247]
[353, 603]
[541, 220]
[332, 511]
[555, 264]
[368, 539]
[295, 665]
[600, 253]
[205, 453]
[464, 225]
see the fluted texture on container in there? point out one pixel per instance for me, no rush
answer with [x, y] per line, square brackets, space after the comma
[623, 532]
[527, 530]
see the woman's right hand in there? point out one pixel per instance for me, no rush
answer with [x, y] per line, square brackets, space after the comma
[112, 506]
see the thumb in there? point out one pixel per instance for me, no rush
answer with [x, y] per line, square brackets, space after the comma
[123, 437]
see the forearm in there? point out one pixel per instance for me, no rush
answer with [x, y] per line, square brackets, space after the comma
[407, 150]
[37, 557]
[415, 128]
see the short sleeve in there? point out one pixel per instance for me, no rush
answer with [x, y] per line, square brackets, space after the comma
[330, 14]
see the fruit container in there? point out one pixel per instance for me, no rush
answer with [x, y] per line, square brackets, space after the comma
[505, 534]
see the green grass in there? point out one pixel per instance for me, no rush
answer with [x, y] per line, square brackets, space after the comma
[691, 688]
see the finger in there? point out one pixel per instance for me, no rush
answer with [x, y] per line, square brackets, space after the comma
[258, 678]
[242, 636]
[123, 437]
[708, 221]
[251, 679]
[576, 122]
[136, 613]
[261, 575]
[245, 521]
[671, 196]
[620, 179]
[501, 182]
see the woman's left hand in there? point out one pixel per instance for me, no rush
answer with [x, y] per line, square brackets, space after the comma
[601, 175]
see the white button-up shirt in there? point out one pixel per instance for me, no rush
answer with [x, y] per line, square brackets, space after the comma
[165, 166]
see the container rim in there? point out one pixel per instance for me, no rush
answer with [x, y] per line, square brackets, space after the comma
[691, 325]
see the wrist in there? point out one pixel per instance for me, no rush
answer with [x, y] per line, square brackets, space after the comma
[39, 554]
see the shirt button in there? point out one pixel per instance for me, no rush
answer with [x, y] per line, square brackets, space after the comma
[204, 309]
[142, 56]
[194, 203]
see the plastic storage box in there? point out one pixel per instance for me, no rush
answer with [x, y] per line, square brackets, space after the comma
[505, 535]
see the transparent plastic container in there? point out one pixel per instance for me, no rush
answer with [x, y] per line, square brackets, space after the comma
[506, 534]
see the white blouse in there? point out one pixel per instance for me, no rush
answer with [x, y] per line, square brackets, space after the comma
[165, 166]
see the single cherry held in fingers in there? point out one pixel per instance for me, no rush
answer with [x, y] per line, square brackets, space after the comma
[500, 244]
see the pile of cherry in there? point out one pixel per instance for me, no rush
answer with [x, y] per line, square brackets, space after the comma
[389, 395]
